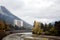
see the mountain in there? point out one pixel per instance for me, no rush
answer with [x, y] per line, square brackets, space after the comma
[9, 17]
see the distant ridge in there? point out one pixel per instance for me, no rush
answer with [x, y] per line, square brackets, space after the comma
[9, 17]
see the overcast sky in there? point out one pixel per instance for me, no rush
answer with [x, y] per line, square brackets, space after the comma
[30, 10]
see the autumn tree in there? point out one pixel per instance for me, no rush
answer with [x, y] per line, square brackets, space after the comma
[37, 28]
[2, 25]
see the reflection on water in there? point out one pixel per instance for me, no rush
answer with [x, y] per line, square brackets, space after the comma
[25, 36]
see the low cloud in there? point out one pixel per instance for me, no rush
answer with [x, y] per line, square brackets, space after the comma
[33, 8]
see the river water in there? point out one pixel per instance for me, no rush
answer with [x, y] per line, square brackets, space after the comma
[24, 36]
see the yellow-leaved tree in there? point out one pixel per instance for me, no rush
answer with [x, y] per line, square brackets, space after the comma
[37, 28]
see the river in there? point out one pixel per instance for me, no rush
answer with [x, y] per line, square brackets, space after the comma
[25, 36]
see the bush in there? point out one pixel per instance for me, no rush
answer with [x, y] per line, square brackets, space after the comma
[2, 34]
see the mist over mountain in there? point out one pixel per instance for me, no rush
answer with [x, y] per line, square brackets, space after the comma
[9, 17]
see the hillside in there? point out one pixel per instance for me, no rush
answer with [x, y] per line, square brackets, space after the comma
[9, 17]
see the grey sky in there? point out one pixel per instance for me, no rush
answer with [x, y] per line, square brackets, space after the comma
[33, 8]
